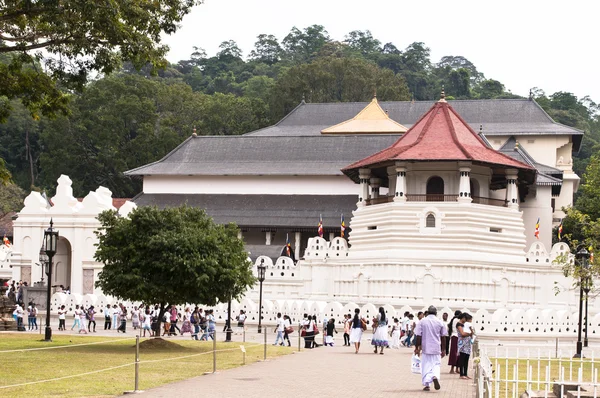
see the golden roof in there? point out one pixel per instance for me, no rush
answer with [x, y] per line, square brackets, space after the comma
[371, 120]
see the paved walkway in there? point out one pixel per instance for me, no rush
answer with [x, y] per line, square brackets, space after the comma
[335, 372]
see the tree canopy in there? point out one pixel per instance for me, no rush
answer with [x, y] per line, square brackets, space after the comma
[171, 256]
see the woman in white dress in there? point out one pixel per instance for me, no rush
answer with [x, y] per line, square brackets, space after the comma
[380, 337]
[396, 334]
[356, 330]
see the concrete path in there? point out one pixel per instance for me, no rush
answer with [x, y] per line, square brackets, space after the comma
[324, 371]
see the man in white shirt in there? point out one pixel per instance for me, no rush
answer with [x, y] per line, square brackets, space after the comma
[107, 317]
[279, 329]
[431, 346]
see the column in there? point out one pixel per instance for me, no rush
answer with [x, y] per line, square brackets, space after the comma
[297, 241]
[363, 175]
[391, 172]
[400, 189]
[375, 184]
[464, 186]
[512, 193]
[268, 238]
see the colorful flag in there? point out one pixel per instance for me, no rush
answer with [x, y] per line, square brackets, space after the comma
[288, 246]
[320, 229]
[591, 250]
[6, 241]
[343, 227]
[560, 230]
[537, 229]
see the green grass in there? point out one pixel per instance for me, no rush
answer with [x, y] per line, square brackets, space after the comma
[27, 366]
[553, 364]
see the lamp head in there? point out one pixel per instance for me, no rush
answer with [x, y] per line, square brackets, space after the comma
[262, 269]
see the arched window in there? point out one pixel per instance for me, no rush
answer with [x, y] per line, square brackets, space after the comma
[435, 189]
[430, 221]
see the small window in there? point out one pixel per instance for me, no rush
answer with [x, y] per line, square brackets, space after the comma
[430, 221]
[496, 230]
[371, 228]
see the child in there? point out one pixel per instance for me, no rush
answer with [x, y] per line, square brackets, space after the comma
[347, 318]
[61, 317]
[330, 330]
[147, 323]
[167, 323]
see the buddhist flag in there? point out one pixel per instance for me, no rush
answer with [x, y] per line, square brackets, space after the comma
[591, 250]
[320, 229]
[288, 246]
[6, 241]
[537, 229]
[343, 227]
[560, 230]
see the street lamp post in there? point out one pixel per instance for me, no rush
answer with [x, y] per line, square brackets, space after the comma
[50, 244]
[586, 289]
[582, 257]
[262, 268]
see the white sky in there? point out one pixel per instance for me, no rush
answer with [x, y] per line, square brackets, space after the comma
[549, 44]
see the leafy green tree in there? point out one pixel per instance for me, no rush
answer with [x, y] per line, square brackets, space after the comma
[303, 46]
[459, 83]
[335, 79]
[227, 114]
[488, 89]
[589, 192]
[11, 198]
[459, 62]
[4, 173]
[78, 38]
[266, 50]
[171, 256]
[363, 42]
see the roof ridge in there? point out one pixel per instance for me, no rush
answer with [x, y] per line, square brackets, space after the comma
[160, 160]
[446, 109]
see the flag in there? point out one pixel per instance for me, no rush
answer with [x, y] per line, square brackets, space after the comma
[591, 250]
[560, 230]
[343, 227]
[320, 229]
[537, 229]
[288, 246]
[6, 241]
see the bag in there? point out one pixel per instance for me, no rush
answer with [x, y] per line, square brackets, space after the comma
[289, 330]
[303, 333]
[415, 364]
[316, 329]
[193, 320]
[363, 324]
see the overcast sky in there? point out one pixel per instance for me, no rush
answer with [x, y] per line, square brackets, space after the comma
[549, 44]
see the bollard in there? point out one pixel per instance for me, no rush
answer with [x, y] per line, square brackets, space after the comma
[265, 334]
[215, 351]
[299, 336]
[137, 363]
[244, 334]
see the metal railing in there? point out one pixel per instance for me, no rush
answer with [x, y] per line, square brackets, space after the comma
[379, 200]
[431, 198]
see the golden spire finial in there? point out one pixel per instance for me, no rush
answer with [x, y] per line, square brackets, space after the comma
[443, 95]
[375, 93]
[516, 144]
[194, 132]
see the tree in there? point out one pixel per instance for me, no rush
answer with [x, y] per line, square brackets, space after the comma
[171, 256]
[363, 42]
[488, 89]
[458, 83]
[459, 62]
[303, 46]
[11, 198]
[266, 49]
[333, 79]
[229, 51]
[589, 199]
[78, 38]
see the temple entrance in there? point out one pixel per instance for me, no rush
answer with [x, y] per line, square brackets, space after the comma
[435, 189]
[62, 264]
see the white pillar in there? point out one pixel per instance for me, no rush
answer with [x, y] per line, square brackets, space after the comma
[512, 193]
[375, 184]
[391, 172]
[297, 240]
[400, 189]
[363, 175]
[464, 186]
[268, 238]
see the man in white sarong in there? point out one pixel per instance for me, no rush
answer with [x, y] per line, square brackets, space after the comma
[431, 342]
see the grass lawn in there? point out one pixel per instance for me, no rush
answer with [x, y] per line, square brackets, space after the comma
[571, 373]
[27, 366]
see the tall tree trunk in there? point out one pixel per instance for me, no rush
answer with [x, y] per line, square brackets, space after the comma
[29, 157]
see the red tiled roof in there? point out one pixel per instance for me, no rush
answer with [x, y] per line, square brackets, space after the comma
[116, 202]
[439, 135]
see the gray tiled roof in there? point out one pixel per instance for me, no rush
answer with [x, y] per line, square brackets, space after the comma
[293, 211]
[497, 117]
[282, 155]
[547, 175]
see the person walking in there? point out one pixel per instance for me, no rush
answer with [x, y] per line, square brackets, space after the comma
[453, 333]
[135, 318]
[464, 345]
[34, 314]
[107, 317]
[347, 318]
[308, 331]
[430, 335]
[316, 331]
[358, 326]
[115, 316]
[329, 330]
[287, 329]
[380, 338]
[91, 318]
[123, 320]
[147, 323]
[241, 320]
[174, 318]
[83, 316]
[76, 319]
[279, 329]
[62, 312]
[395, 334]
[186, 326]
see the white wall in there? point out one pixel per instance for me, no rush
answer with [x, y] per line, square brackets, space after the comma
[538, 204]
[253, 185]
